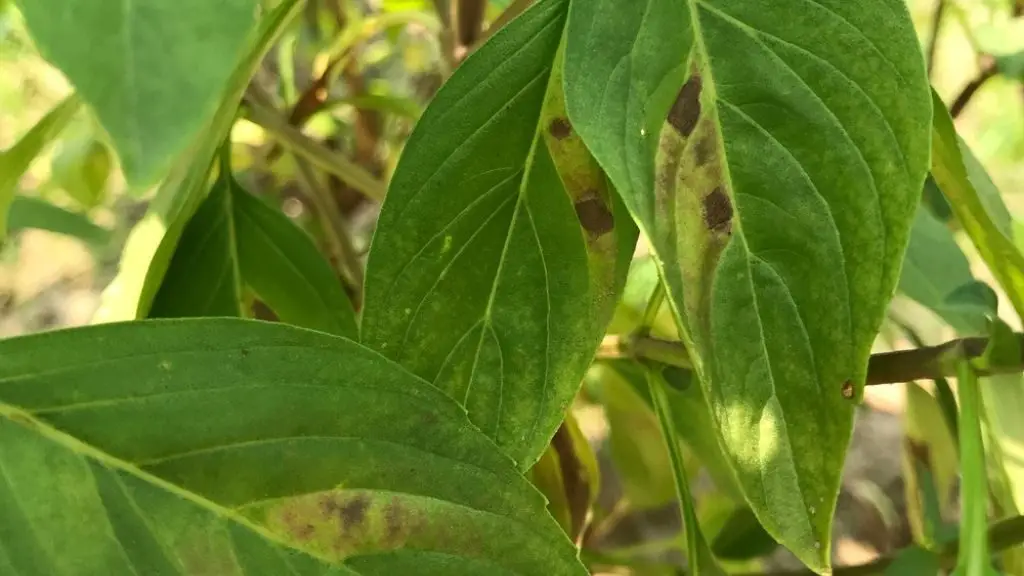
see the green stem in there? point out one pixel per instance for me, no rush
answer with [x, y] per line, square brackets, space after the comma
[973, 557]
[317, 154]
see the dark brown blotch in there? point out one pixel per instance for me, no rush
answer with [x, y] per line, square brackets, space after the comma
[353, 512]
[594, 216]
[848, 390]
[919, 452]
[686, 109]
[560, 128]
[718, 211]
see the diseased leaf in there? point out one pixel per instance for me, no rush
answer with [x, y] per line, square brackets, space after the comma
[970, 192]
[568, 476]
[71, 509]
[392, 472]
[774, 154]
[151, 244]
[31, 212]
[122, 56]
[937, 275]
[16, 160]
[500, 249]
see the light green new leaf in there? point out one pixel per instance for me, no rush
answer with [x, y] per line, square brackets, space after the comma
[15, 160]
[325, 443]
[774, 154]
[151, 244]
[500, 249]
[152, 70]
[71, 509]
[234, 241]
[31, 212]
[937, 275]
[970, 191]
[82, 167]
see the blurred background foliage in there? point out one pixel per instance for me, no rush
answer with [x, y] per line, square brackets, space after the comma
[353, 76]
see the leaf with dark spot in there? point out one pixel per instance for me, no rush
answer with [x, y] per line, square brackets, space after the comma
[594, 216]
[342, 463]
[813, 120]
[686, 109]
[501, 251]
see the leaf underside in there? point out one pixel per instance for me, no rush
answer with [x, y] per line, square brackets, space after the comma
[500, 249]
[393, 474]
[774, 154]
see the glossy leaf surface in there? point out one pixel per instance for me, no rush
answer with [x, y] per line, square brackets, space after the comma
[500, 248]
[122, 56]
[393, 473]
[774, 154]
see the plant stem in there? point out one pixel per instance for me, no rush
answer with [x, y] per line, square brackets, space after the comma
[317, 154]
[334, 226]
[988, 70]
[885, 368]
[933, 40]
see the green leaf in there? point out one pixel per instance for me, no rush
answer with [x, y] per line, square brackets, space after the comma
[973, 558]
[203, 278]
[283, 266]
[634, 436]
[970, 192]
[500, 249]
[930, 465]
[71, 509]
[81, 168]
[640, 285]
[778, 197]
[151, 244]
[1002, 404]
[914, 560]
[153, 71]
[31, 212]
[742, 537]
[234, 241]
[937, 275]
[325, 443]
[699, 556]
[15, 160]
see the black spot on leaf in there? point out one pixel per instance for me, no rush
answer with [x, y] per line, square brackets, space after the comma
[686, 110]
[718, 211]
[393, 519]
[560, 128]
[353, 512]
[594, 216]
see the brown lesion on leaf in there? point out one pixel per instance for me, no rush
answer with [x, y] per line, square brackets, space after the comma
[718, 211]
[560, 128]
[848, 390]
[686, 109]
[594, 215]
